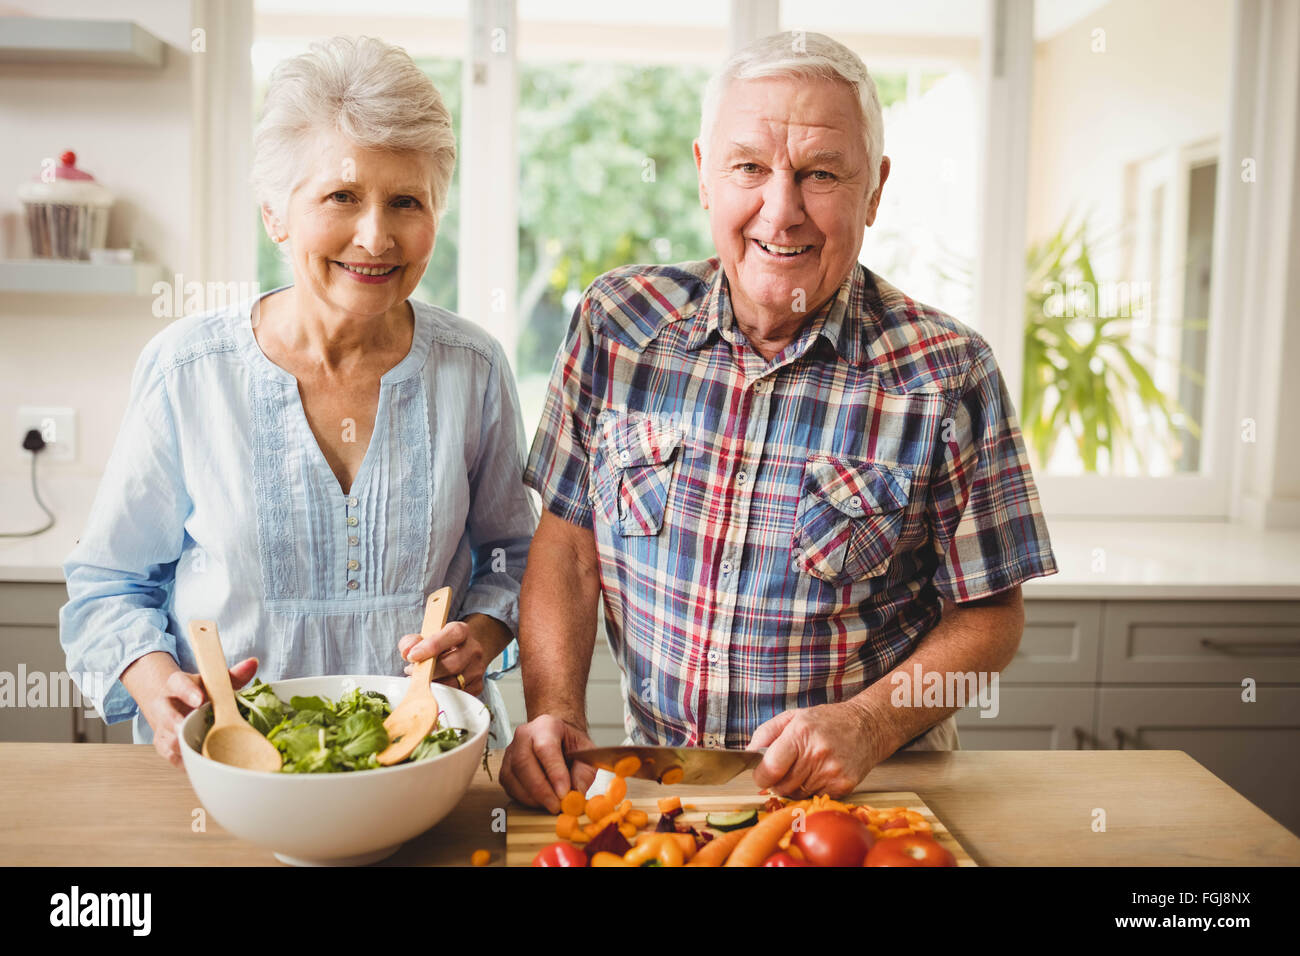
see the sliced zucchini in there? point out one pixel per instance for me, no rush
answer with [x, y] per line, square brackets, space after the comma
[731, 821]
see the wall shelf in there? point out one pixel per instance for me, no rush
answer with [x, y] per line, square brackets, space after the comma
[78, 278]
[92, 42]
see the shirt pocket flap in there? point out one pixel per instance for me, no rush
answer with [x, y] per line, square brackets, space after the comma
[857, 488]
[640, 440]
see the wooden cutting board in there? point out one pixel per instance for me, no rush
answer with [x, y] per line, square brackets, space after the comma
[528, 830]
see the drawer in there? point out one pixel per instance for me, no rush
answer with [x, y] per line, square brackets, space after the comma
[1201, 642]
[1030, 718]
[1061, 644]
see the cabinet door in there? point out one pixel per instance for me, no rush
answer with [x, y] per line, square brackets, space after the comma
[1061, 644]
[36, 701]
[1201, 642]
[1252, 747]
[1029, 718]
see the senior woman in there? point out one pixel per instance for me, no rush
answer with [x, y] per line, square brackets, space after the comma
[304, 468]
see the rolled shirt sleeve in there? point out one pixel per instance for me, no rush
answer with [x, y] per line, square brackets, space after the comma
[120, 574]
[989, 530]
[502, 516]
[558, 466]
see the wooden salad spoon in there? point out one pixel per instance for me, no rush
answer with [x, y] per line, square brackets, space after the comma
[417, 714]
[232, 739]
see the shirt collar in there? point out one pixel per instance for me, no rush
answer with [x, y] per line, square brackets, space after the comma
[844, 321]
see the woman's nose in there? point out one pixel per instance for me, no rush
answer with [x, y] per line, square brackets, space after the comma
[373, 232]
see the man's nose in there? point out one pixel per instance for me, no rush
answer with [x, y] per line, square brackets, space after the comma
[782, 202]
[374, 233]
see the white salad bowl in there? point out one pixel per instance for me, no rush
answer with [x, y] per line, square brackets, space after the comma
[339, 819]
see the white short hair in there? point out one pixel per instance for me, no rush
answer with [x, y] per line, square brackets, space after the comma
[799, 54]
[370, 91]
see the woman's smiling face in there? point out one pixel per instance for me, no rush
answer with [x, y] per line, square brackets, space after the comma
[360, 211]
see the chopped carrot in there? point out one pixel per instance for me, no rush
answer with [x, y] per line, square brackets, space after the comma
[761, 839]
[617, 790]
[671, 776]
[574, 803]
[599, 806]
[480, 857]
[566, 824]
[637, 818]
[608, 859]
[627, 766]
[669, 804]
[628, 830]
[684, 840]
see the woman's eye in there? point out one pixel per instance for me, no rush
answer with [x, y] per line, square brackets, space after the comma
[338, 194]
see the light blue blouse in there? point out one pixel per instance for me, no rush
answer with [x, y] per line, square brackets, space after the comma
[217, 503]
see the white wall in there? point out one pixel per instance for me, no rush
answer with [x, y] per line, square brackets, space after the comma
[130, 128]
[1162, 81]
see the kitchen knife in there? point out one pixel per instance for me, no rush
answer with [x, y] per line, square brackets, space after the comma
[698, 765]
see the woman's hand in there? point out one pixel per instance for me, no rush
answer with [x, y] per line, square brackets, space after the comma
[461, 647]
[166, 695]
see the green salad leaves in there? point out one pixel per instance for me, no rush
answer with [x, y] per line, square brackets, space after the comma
[314, 735]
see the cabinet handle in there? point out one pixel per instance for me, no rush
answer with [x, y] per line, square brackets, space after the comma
[1082, 736]
[1122, 736]
[1235, 647]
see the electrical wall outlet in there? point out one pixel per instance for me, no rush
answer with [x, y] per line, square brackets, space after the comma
[58, 426]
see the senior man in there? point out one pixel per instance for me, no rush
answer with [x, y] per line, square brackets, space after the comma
[788, 480]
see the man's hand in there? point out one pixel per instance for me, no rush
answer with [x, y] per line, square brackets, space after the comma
[823, 749]
[534, 770]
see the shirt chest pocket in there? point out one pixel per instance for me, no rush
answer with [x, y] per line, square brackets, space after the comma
[849, 518]
[635, 473]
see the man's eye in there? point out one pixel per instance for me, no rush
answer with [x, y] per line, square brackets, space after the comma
[408, 202]
[747, 168]
[336, 195]
[822, 176]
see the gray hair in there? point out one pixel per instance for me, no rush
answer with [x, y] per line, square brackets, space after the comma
[370, 91]
[799, 54]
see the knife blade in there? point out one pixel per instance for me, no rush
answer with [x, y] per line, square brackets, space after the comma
[698, 765]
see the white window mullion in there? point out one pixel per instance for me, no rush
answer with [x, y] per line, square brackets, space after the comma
[1006, 65]
[488, 272]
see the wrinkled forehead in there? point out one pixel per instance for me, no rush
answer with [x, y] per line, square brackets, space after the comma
[790, 112]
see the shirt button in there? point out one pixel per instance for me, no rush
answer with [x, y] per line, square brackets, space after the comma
[352, 520]
[625, 456]
[353, 565]
[352, 502]
[855, 501]
[353, 540]
[740, 478]
[726, 567]
[352, 585]
[713, 657]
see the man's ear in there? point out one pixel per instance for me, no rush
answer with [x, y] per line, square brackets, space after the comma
[873, 203]
[699, 172]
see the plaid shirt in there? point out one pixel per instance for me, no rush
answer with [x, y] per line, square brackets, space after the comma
[778, 534]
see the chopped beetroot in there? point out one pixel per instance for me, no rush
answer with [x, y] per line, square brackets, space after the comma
[608, 840]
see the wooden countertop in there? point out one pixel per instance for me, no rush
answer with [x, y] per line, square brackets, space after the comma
[121, 805]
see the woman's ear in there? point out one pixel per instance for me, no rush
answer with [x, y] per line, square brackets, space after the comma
[274, 228]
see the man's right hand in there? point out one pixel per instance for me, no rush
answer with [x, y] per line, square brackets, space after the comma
[534, 770]
[166, 695]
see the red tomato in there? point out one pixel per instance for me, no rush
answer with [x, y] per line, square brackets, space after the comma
[833, 838]
[781, 858]
[560, 854]
[911, 850]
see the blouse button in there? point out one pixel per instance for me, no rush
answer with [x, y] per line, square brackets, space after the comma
[352, 521]
[352, 585]
[353, 565]
[352, 502]
[353, 541]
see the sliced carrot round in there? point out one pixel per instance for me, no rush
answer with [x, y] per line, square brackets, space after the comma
[480, 857]
[627, 766]
[671, 776]
[617, 789]
[574, 803]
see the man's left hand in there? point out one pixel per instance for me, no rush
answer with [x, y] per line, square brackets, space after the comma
[812, 750]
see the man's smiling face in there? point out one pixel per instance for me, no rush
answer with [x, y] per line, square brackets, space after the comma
[785, 178]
